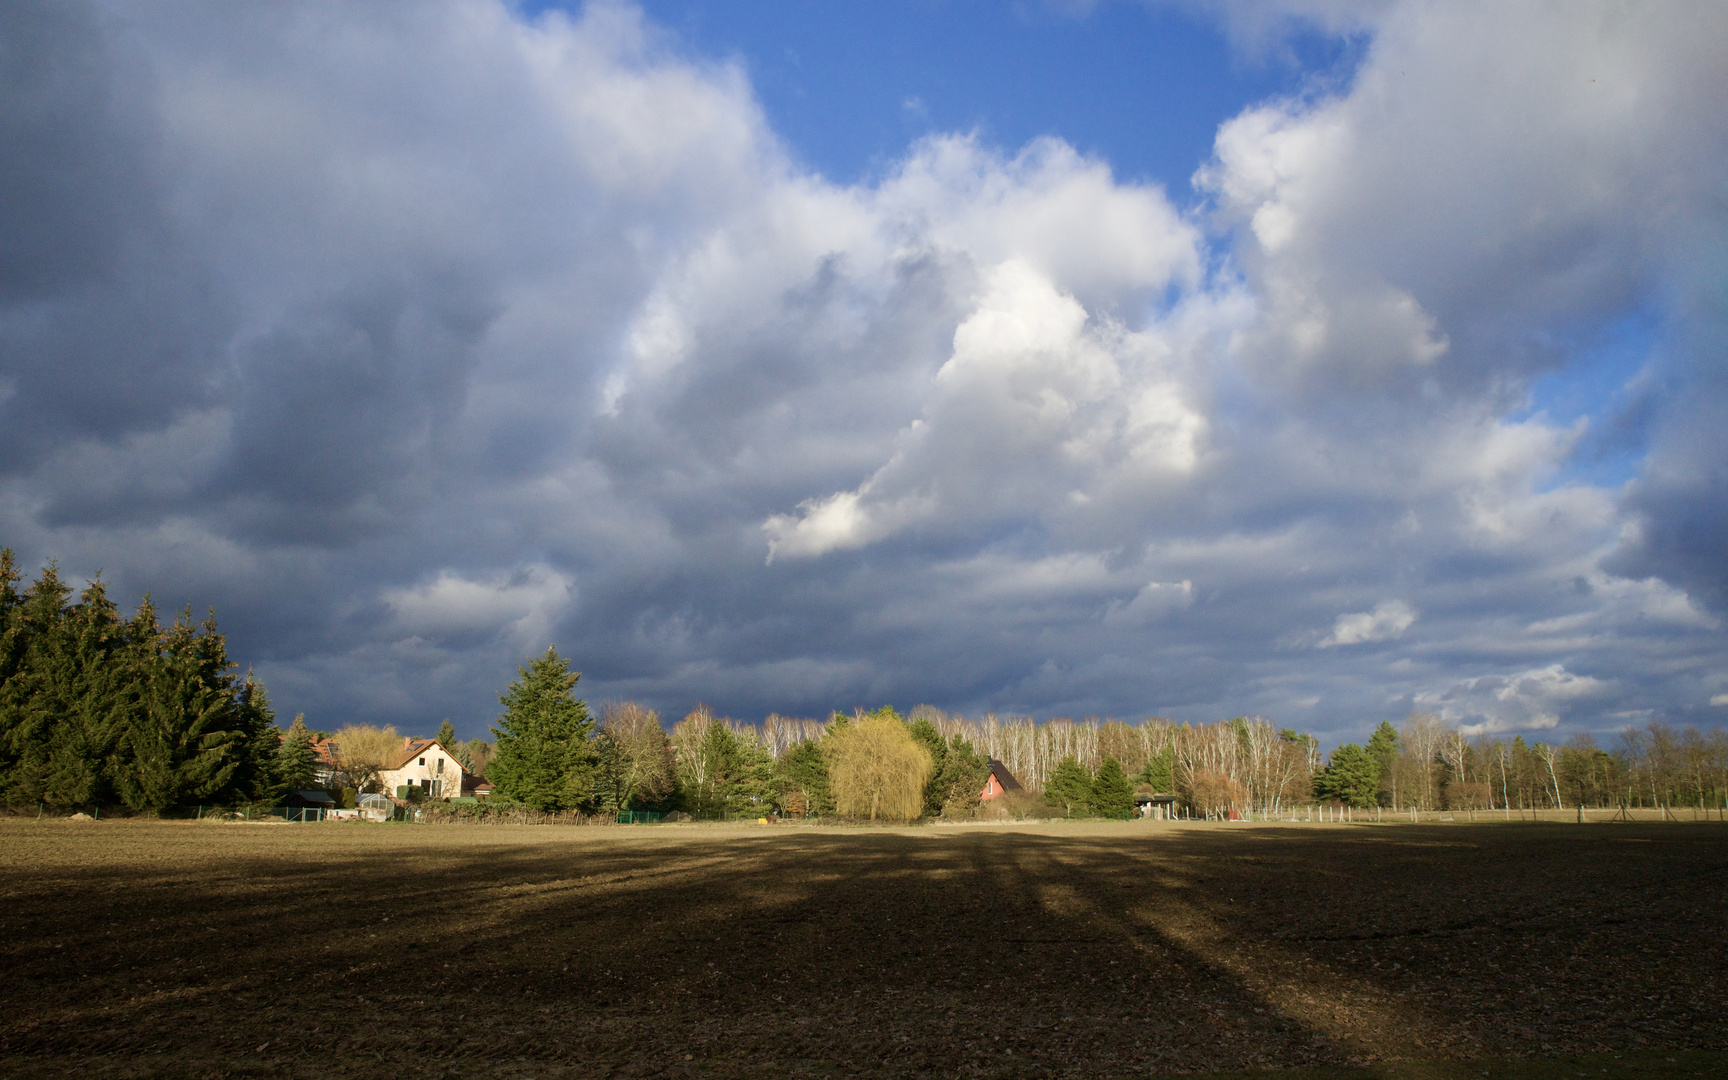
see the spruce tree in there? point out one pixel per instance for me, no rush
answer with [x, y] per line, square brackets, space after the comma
[1112, 794]
[925, 733]
[296, 762]
[804, 770]
[447, 736]
[545, 757]
[256, 778]
[188, 740]
[40, 690]
[1069, 788]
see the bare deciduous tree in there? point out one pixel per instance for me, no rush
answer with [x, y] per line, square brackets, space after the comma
[636, 758]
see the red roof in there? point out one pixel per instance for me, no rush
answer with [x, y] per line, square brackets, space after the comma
[413, 748]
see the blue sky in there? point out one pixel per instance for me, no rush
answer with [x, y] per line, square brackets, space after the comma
[1326, 361]
[1141, 86]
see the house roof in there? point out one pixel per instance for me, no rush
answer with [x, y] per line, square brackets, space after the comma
[470, 782]
[324, 751]
[413, 748]
[1003, 776]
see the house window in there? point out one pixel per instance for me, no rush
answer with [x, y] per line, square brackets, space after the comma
[440, 764]
[422, 761]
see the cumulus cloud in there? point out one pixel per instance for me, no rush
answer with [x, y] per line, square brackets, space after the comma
[524, 605]
[1387, 620]
[394, 331]
[1532, 700]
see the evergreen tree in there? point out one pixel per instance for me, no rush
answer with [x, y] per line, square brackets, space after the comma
[545, 757]
[1383, 748]
[296, 763]
[93, 707]
[188, 740]
[1069, 788]
[1112, 794]
[960, 778]
[926, 735]
[736, 775]
[1351, 776]
[803, 779]
[261, 744]
[1160, 772]
[447, 737]
[40, 690]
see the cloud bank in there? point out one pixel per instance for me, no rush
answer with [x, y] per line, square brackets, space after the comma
[416, 338]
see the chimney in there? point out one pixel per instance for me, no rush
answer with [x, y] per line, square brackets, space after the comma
[407, 742]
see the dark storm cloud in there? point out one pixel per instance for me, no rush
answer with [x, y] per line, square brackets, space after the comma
[417, 338]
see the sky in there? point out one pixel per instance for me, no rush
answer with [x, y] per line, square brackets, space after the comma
[1319, 360]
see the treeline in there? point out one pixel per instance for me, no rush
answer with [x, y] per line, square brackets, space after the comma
[97, 709]
[552, 755]
[1428, 764]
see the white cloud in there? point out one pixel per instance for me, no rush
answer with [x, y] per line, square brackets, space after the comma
[522, 606]
[1532, 700]
[1155, 600]
[1388, 620]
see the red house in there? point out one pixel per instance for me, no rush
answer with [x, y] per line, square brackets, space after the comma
[1000, 781]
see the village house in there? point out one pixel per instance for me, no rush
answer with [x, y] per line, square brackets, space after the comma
[1000, 782]
[427, 765]
[324, 762]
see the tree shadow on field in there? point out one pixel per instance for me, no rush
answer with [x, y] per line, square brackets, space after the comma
[348, 950]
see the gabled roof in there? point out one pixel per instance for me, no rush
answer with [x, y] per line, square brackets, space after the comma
[1003, 776]
[415, 748]
[472, 783]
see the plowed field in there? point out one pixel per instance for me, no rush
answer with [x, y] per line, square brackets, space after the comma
[198, 949]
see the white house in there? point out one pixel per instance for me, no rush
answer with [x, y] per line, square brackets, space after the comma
[425, 764]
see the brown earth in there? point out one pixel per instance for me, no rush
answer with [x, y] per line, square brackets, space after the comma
[197, 949]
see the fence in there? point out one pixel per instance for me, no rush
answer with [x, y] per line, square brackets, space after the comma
[638, 817]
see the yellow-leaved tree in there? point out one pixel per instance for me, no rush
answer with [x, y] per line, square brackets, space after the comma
[361, 751]
[877, 770]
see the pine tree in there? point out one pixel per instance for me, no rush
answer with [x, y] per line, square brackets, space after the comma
[1112, 794]
[1069, 788]
[296, 762]
[1351, 776]
[1383, 748]
[447, 736]
[545, 757]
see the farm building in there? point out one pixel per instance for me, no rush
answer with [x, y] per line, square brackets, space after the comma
[1000, 782]
[1153, 805]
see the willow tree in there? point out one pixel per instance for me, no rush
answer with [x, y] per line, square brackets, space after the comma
[877, 769]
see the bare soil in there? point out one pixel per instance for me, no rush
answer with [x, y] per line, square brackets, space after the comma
[191, 949]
